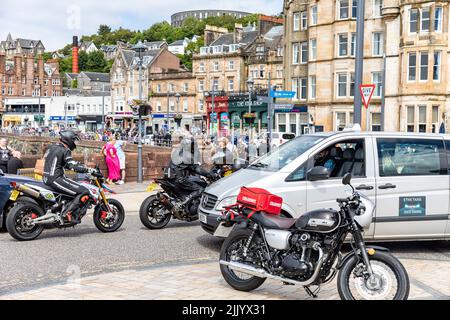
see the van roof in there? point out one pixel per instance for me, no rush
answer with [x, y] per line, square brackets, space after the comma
[382, 133]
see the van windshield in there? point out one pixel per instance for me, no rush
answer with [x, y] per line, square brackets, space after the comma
[288, 152]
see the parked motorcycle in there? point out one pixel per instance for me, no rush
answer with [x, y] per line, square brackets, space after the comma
[307, 251]
[39, 207]
[157, 210]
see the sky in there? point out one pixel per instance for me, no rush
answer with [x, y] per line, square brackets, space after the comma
[56, 21]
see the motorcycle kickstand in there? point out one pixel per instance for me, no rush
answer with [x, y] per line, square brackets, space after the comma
[311, 293]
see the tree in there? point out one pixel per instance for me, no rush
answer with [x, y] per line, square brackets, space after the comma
[95, 62]
[103, 30]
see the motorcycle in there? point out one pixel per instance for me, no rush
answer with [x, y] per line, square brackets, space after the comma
[307, 251]
[157, 210]
[38, 207]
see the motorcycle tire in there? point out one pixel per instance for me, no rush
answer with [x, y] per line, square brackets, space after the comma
[383, 258]
[150, 204]
[16, 217]
[103, 224]
[230, 277]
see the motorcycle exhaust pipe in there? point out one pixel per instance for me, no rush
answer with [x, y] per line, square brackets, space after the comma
[261, 273]
[48, 218]
[28, 191]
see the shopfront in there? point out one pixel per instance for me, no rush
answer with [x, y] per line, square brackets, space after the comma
[239, 106]
[218, 121]
[295, 120]
[11, 120]
[62, 121]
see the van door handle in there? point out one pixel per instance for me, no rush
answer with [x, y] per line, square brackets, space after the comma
[387, 186]
[364, 187]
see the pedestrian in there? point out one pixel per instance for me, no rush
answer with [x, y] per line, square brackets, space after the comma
[112, 161]
[15, 163]
[122, 158]
[5, 154]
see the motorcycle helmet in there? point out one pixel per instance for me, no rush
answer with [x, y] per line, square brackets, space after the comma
[68, 138]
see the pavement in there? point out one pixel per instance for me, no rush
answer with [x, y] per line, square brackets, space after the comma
[178, 262]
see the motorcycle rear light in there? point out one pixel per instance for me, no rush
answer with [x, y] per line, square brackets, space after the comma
[13, 184]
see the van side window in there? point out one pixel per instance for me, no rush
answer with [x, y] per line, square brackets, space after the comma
[447, 148]
[298, 175]
[411, 157]
[343, 157]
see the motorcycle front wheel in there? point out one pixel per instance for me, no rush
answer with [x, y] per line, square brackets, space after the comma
[232, 250]
[19, 221]
[153, 214]
[109, 221]
[389, 282]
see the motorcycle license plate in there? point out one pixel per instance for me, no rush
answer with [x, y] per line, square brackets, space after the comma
[228, 173]
[14, 195]
[152, 187]
[222, 231]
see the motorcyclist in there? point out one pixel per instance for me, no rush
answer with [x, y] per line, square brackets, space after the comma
[59, 157]
[185, 163]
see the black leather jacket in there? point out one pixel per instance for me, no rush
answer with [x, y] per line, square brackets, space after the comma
[56, 159]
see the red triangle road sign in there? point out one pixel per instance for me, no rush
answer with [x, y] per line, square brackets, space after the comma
[367, 91]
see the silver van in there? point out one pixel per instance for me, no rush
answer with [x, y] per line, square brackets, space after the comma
[405, 174]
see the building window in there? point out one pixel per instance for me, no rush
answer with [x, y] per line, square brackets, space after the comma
[201, 85]
[425, 20]
[158, 106]
[296, 21]
[376, 121]
[343, 9]
[437, 66]
[304, 18]
[312, 87]
[342, 84]
[295, 53]
[410, 118]
[353, 45]
[216, 66]
[412, 64]
[200, 105]
[352, 84]
[186, 87]
[313, 15]
[422, 118]
[24, 92]
[304, 52]
[313, 46]
[185, 106]
[377, 44]
[435, 118]
[377, 78]
[279, 73]
[215, 85]
[340, 121]
[230, 85]
[377, 4]
[438, 14]
[231, 65]
[354, 8]
[424, 66]
[343, 45]
[413, 20]
[201, 67]
[303, 88]
[158, 88]
[282, 122]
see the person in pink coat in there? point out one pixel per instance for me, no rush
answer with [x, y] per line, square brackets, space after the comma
[112, 160]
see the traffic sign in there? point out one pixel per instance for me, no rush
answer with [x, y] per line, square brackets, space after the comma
[367, 91]
[277, 106]
[282, 94]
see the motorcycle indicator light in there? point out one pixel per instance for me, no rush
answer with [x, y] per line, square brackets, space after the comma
[371, 252]
[13, 184]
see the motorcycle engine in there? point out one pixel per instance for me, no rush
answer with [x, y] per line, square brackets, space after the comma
[298, 261]
[293, 266]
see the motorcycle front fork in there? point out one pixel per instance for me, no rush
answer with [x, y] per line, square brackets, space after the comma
[357, 236]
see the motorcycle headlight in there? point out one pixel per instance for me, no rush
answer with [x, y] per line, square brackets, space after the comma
[226, 203]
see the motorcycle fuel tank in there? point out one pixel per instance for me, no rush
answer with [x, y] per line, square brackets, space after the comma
[322, 221]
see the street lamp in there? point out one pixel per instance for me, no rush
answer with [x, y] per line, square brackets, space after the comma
[250, 84]
[26, 116]
[140, 48]
[178, 96]
[212, 117]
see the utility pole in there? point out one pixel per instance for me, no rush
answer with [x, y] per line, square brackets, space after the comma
[269, 113]
[103, 109]
[140, 178]
[359, 60]
[213, 115]
[168, 108]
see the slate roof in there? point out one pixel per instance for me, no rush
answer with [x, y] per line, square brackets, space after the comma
[148, 56]
[97, 76]
[177, 43]
[228, 38]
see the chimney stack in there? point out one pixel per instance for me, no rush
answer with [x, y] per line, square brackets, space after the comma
[238, 32]
[75, 55]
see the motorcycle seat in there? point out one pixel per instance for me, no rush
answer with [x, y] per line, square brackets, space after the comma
[271, 221]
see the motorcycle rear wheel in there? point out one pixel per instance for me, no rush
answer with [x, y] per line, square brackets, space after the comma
[18, 219]
[237, 280]
[150, 211]
[388, 272]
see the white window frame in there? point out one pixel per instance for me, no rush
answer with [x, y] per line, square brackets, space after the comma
[314, 15]
[216, 67]
[440, 20]
[353, 44]
[422, 20]
[304, 20]
[202, 67]
[339, 45]
[377, 5]
[303, 52]
[296, 53]
[296, 21]
[303, 82]
[380, 44]
[378, 85]
[439, 65]
[312, 87]
[421, 53]
[313, 49]
[339, 9]
[230, 85]
[417, 20]
[409, 67]
[231, 65]
[338, 83]
[201, 85]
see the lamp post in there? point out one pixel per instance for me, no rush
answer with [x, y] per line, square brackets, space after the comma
[26, 116]
[140, 48]
[178, 96]
[250, 84]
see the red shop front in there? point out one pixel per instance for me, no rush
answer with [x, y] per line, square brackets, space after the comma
[221, 123]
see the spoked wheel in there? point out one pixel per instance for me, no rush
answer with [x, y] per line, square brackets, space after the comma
[20, 221]
[232, 250]
[153, 214]
[109, 220]
[389, 282]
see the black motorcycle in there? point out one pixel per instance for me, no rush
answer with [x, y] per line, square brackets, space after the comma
[308, 251]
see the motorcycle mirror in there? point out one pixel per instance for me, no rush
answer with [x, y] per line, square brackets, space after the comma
[347, 179]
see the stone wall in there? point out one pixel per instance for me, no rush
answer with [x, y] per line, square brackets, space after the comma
[154, 158]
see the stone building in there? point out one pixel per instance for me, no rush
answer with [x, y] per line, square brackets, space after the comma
[22, 77]
[125, 80]
[319, 63]
[171, 94]
[93, 81]
[12, 47]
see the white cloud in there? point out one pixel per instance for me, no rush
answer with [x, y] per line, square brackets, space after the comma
[55, 22]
